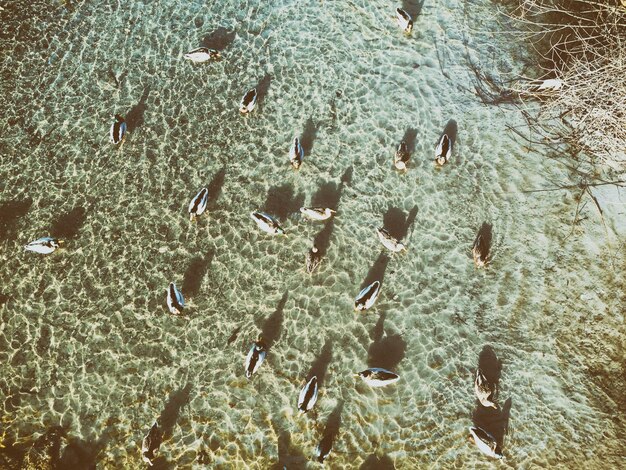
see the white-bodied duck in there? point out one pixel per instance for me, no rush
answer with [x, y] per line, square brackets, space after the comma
[485, 442]
[308, 395]
[118, 130]
[367, 296]
[267, 223]
[443, 150]
[198, 204]
[175, 300]
[255, 358]
[317, 213]
[296, 153]
[377, 377]
[485, 391]
[389, 241]
[202, 54]
[402, 156]
[150, 444]
[248, 102]
[44, 245]
[404, 20]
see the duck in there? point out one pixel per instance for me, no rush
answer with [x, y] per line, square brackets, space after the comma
[44, 245]
[308, 395]
[485, 442]
[248, 102]
[175, 300]
[313, 259]
[317, 213]
[255, 357]
[404, 20]
[296, 153]
[389, 241]
[198, 204]
[443, 150]
[378, 377]
[202, 54]
[480, 250]
[485, 392]
[367, 296]
[402, 156]
[267, 223]
[323, 450]
[118, 130]
[151, 444]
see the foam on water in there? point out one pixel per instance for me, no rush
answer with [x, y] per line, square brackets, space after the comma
[87, 342]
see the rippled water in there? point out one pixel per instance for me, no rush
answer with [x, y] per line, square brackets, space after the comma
[85, 338]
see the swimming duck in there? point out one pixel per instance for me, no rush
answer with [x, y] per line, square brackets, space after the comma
[323, 450]
[198, 204]
[175, 300]
[480, 250]
[485, 442]
[377, 377]
[317, 213]
[255, 358]
[404, 20]
[313, 259]
[388, 241]
[443, 150]
[151, 444]
[118, 129]
[308, 395]
[402, 156]
[367, 296]
[296, 153]
[248, 102]
[202, 54]
[485, 392]
[267, 223]
[44, 245]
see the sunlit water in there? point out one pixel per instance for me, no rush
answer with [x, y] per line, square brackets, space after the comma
[86, 340]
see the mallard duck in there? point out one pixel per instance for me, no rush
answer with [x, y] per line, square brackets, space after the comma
[402, 156]
[198, 204]
[44, 245]
[443, 150]
[175, 300]
[485, 392]
[150, 444]
[296, 153]
[388, 241]
[367, 296]
[248, 102]
[202, 54]
[317, 213]
[404, 20]
[485, 442]
[118, 130]
[377, 377]
[255, 358]
[267, 223]
[308, 395]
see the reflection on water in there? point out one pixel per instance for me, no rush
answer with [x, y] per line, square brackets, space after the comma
[90, 356]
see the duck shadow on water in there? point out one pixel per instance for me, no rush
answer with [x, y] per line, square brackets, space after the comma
[308, 136]
[218, 39]
[332, 429]
[490, 365]
[69, 224]
[377, 271]
[263, 87]
[288, 455]
[397, 223]
[328, 195]
[413, 7]
[10, 212]
[175, 403]
[214, 188]
[320, 365]
[272, 325]
[410, 136]
[386, 351]
[135, 117]
[451, 130]
[374, 462]
[195, 273]
[281, 201]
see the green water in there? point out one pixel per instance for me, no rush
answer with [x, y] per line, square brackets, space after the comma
[85, 338]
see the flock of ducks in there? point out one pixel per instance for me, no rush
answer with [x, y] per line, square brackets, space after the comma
[375, 376]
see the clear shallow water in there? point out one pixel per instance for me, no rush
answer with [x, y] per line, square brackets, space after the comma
[86, 340]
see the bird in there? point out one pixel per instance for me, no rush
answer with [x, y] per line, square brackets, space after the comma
[367, 296]
[255, 357]
[296, 153]
[308, 395]
[202, 54]
[317, 213]
[313, 259]
[44, 245]
[485, 391]
[151, 443]
[443, 150]
[118, 130]
[248, 102]
[377, 377]
[175, 300]
[198, 204]
[485, 442]
[404, 20]
[267, 223]
[402, 156]
[389, 241]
